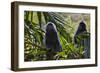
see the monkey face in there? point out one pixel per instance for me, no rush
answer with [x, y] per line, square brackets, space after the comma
[82, 26]
[50, 28]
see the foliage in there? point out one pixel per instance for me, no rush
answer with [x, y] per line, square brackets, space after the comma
[34, 25]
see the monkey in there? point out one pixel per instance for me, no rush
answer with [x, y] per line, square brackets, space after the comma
[51, 38]
[81, 29]
[52, 41]
[84, 42]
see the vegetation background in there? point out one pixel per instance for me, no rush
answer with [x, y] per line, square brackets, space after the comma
[66, 24]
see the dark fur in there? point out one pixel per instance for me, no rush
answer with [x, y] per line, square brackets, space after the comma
[81, 29]
[51, 38]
